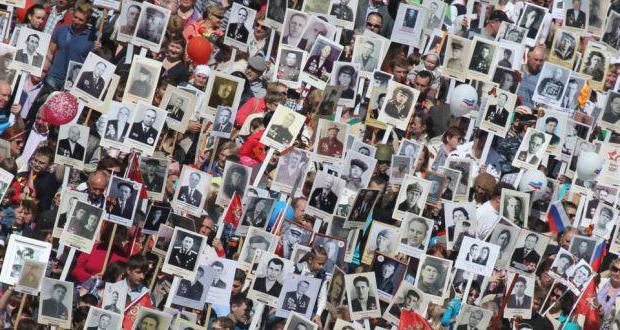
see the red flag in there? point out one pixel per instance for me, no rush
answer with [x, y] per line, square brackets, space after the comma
[584, 307]
[131, 311]
[135, 174]
[233, 213]
[410, 320]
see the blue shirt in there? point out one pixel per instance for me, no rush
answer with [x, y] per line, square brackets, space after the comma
[71, 46]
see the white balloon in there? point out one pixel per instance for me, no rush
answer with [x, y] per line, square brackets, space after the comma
[463, 99]
[532, 180]
[589, 165]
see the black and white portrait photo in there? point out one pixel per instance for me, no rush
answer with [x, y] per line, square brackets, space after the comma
[111, 297]
[473, 318]
[511, 32]
[7, 57]
[532, 149]
[192, 293]
[531, 19]
[611, 113]
[84, 222]
[118, 122]
[389, 274]
[147, 124]
[605, 216]
[318, 25]
[192, 190]
[455, 62]
[482, 58]
[506, 79]
[293, 235]
[235, 180]
[162, 240]
[362, 295]
[154, 170]
[367, 52]
[411, 197]
[582, 247]
[320, 63]
[362, 206]
[223, 123]
[325, 192]
[298, 294]
[141, 81]
[562, 262]
[99, 319]
[356, 170]
[433, 276]
[515, 207]
[151, 319]
[290, 62]
[71, 147]
[283, 128]
[407, 298]
[551, 84]
[20, 249]
[398, 106]
[275, 13]
[55, 301]
[240, 26]
[256, 211]
[152, 24]
[31, 50]
[123, 199]
[296, 321]
[580, 276]
[291, 165]
[594, 64]
[182, 256]
[564, 47]
[611, 35]
[415, 235]
[529, 249]
[497, 112]
[269, 279]
[95, 76]
[256, 239]
[504, 236]
[437, 185]
[344, 11]
[128, 20]
[520, 298]
[157, 215]
[222, 273]
[179, 105]
[294, 25]
[382, 238]
[477, 256]
[345, 76]
[576, 17]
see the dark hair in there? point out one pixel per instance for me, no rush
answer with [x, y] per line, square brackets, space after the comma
[276, 262]
[138, 261]
[522, 280]
[462, 209]
[361, 279]
[551, 119]
[425, 74]
[452, 131]
[31, 11]
[33, 35]
[217, 264]
[45, 151]
[224, 322]
[58, 285]
[113, 271]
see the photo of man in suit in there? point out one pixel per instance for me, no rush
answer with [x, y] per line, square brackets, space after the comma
[363, 205]
[410, 204]
[342, 11]
[518, 298]
[324, 198]
[217, 267]
[526, 258]
[255, 243]
[367, 58]
[280, 131]
[184, 255]
[475, 317]
[156, 217]
[92, 82]
[497, 113]
[222, 121]
[292, 164]
[269, 284]
[297, 301]
[124, 202]
[143, 131]
[534, 145]
[113, 307]
[257, 215]
[238, 31]
[296, 25]
[102, 324]
[575, 17]
[175, 108]
[54, 306]
[191, 290]
[131, 17]
[29, 55]
[117, 128]
[189, 194]
[363, 301]
[153, 180]
[70, 147]
[235, 181]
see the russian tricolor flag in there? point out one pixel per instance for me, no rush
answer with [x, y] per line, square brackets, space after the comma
[599, 254]
[557, 217]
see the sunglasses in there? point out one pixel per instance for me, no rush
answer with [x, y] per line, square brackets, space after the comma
[614, 269]
[217, 16]
[376, 26]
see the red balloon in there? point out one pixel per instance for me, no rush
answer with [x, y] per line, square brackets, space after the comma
[60, 108]
[199, 50]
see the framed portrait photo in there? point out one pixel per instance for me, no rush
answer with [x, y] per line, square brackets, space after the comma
[222, 90]
[19, 249]
[128, 20]
[83, 226]
[152, 24]
[283, 128]
[123, 196]
[182, 257]
[148, 122]
[180, 105]
[93, 80]
[71, 146]
[55, 301]
[142, 81]
[362, 295]
[240, 26]
[31, 47]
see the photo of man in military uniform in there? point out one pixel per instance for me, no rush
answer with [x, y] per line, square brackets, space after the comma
[343, 11]
[92, 82]
[354, 178]
[184, 255]
[280, 132]
[330, 145]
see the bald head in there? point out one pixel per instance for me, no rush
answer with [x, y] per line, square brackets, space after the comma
[97, 183]
[535, 60]
[5, 93]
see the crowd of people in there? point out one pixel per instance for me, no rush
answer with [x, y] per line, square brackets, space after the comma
[216, 164]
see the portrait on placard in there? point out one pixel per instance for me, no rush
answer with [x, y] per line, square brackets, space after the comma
[368, 53]
[152, 319]
[290, 62]
[437, 186]
[30, 278]
[574, 16]
[472, 317]
[256, 239]
[56, 303]
[582, 247]
[182, 256]
[482, 58]
[7, 57]
[611, 113]
[118, 122]
[398, 106]
[154, 172]
[335, 249]
[283, 128]
[222, 272]
[579, 276]
[112, 294]
[498, 112]
[98, 318]
[319, 25]
[192, 293]
[292, 236]
[320, 63]
[296, 321]
[362, 295]
[504, 236]
[452, 181]
[192, 191]
[327, 107]
[31, 47]
[465, 167]
[511, 32]
[407, 298]
[67, 200]
[18, 250]
[162, 240]
[256, 211]
[562, 263]
[223, 122]
[330, 138]
[236, 179]
[324, 195]
[514, 207]
[142, 80]
[380, 80]
[362, 206]
[180, 105]
[298, 294]
[294, 25]
[156, 216]
[532, 149]
[477, 256]
[336, 289]
[382, 238]
[506, 79]
[509, 56]
[415, 235]
[71, 147]
[344, 325]
[411, 197]
[531, 19]
[123, 196]
[597, 11]
[344, 11]
[357, 170]
[520, 298]
[270, 274]
[389, 274]
[570, 99]
[594, 64]
[152, 24]
[222, 90]
[276, 10]
[94, 78]
[455, 62]
[564, 48]
[553, 123]
[240, 26]
[84, 223]
[128, 20]
[433, 276]
[148, 122]
[358, 146]
[529, 249]
[411, 149]
[290, 166]
[410, 20]
[551, 84]
[345, 76]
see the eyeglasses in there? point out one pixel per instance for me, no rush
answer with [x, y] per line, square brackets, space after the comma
[614, 269]
[370, 25]
[217, 16]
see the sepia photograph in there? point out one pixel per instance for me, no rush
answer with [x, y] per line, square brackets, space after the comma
[433, 277]
[382, 238]
[141, 82]
[283, 128]
[293, 27]
[151, 319]
[84, 224]
[482, 58]
[320, 63]
[330, 139]
[18, 250]
[152, 24]
[398, 106]
[454, 62]
[30, 278]
[270, 273]
[94, 78]
[236, 179]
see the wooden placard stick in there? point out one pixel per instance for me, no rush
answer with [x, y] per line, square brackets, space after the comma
[157, 268]
[21, 309]
[108, 252]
